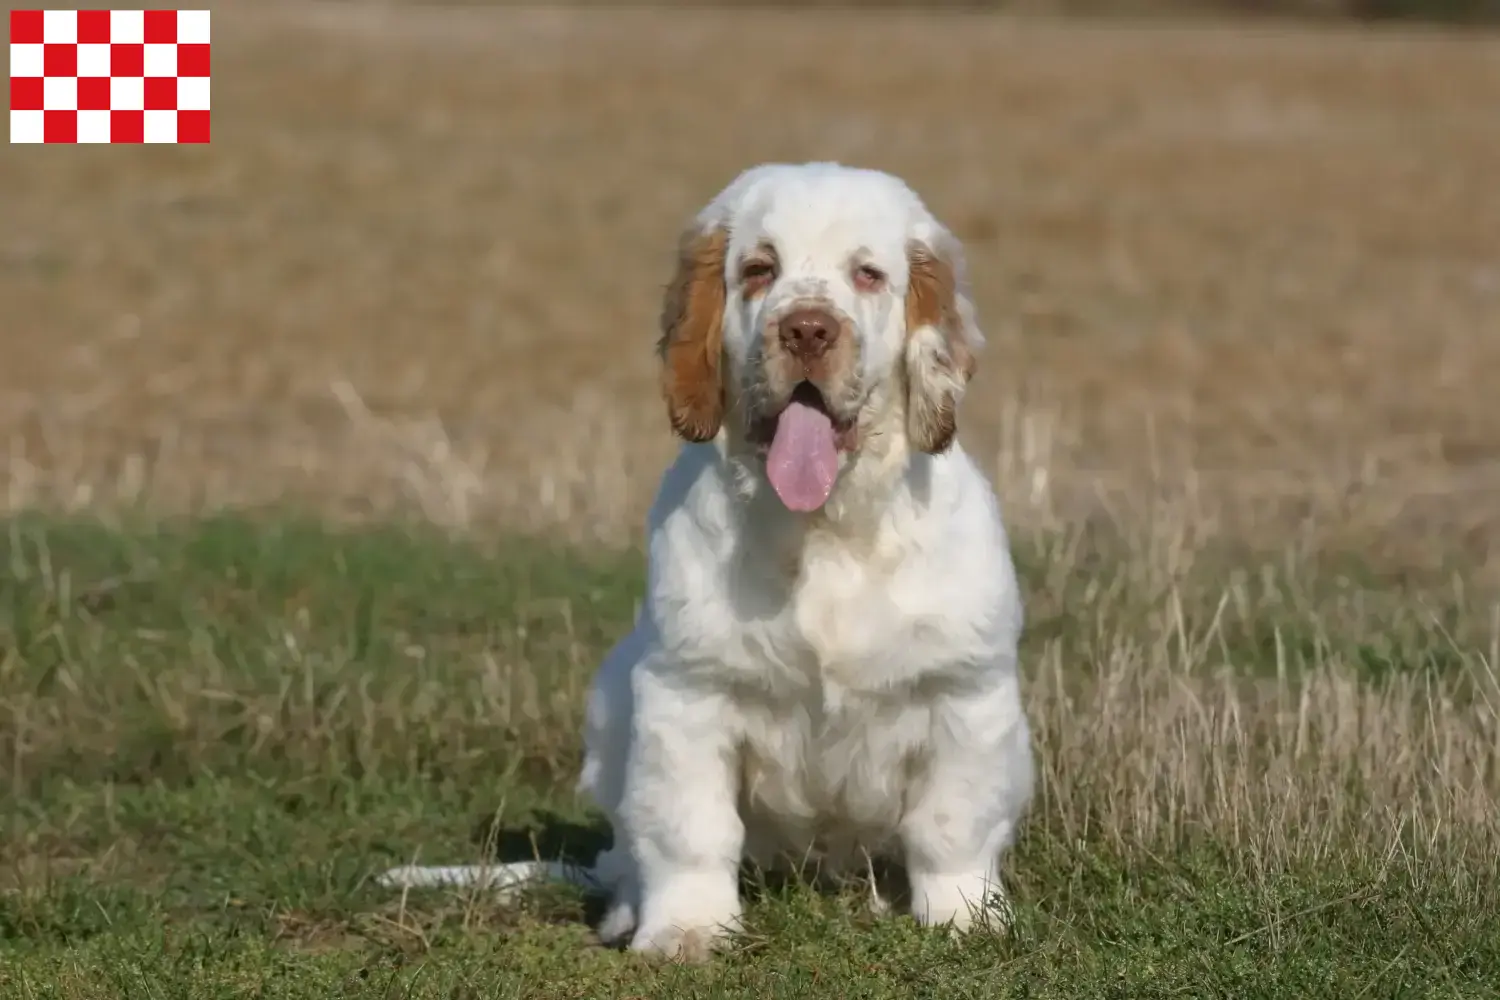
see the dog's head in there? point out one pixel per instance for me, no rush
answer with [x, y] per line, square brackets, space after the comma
[816, 311]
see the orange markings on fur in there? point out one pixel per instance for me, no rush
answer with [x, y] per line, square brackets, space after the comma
[931, 301]
[691, 344]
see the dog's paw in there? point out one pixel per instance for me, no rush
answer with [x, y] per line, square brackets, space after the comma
[688, 915]
[960, 902]
[689, 945]
[618, 923]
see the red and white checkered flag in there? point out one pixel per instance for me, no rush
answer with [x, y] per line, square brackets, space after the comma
[109, 75]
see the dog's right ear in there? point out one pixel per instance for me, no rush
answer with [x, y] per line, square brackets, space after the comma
[692, 335]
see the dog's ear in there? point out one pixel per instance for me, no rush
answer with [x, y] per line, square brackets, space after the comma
[942, 341]
[692, 335]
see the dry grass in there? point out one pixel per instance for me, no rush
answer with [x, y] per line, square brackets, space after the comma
[1242, 289]
[1238, 265]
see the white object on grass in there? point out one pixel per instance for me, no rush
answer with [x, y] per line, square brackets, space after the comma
[506, 878]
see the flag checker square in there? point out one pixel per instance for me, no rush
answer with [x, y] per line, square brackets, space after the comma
[109, 76]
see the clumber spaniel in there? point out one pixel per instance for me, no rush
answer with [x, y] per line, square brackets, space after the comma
[826, 655]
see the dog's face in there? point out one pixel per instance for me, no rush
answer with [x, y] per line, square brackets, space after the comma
[814, 306]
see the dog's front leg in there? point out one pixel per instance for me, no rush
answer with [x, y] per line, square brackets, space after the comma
[968, 807]
[680, 816]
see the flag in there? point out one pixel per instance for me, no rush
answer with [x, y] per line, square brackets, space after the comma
[109, 76]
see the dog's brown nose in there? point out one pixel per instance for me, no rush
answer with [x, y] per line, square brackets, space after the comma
[807, 333]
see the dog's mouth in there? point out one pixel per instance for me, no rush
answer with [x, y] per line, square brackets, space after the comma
[801, 445]
[762, 429]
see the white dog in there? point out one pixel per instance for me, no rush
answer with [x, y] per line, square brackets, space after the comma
[826, 656]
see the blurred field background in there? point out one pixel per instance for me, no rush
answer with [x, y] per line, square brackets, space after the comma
[419, 266]
[391, 334]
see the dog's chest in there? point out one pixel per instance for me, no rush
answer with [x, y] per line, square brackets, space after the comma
[831, 761]
[848, 624]
[837, 727]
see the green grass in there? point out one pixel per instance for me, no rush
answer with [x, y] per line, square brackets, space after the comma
[213, 733]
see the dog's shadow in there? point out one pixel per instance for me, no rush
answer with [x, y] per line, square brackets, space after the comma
[546, 835]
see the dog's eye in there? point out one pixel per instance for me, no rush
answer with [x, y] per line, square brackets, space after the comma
[868, 278]
[757, 274]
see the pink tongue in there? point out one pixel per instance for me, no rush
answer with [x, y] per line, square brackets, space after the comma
[803, 461]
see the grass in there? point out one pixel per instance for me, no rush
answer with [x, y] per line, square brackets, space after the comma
[1207, 258]
[217, 730]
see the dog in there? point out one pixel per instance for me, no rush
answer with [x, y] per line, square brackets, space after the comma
[825, 663]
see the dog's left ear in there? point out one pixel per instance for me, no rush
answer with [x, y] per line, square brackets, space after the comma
[942, 341]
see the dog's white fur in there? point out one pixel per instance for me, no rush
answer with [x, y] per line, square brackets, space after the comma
[845, 680]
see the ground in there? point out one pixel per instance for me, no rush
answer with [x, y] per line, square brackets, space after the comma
[329, 443]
